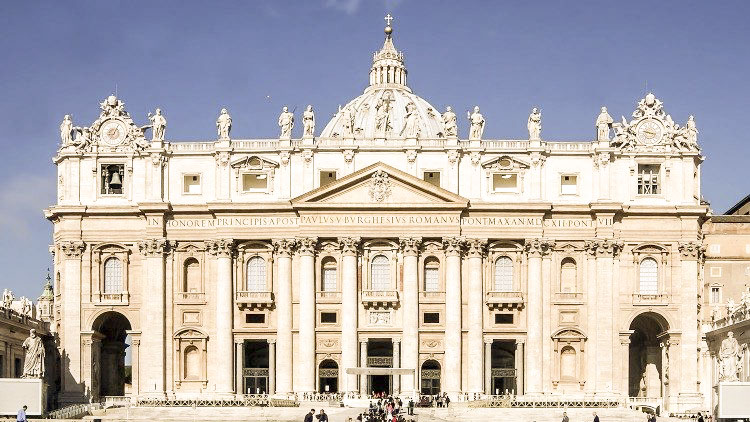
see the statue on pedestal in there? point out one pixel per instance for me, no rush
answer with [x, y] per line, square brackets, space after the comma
[33, 364]
[691, 132]
[7, 298]
[224, 125]
[730, 359]
[476, 121]
[603, 124]
[66, 130]
[286, 123]
[347, 121]
[412, 123]
[308, 121]
[158, 125]
[534, 124]
[449, 123]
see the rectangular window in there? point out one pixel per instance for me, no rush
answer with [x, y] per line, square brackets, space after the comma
[715, 271]
[327, 176]
[329, 279]
[328, 317]
[112, 179]
[504, 182]
[715, 295]
[431, 280]
[648, 179]
[191, 184]
[254, 182]
[568, 184]
[503, 318]
[255, 318]
[431, 318]
[432, 177]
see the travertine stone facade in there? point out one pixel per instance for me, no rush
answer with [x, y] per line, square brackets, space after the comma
[385, 254]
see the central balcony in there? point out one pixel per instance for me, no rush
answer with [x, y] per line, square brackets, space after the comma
[254, 300]
[505, 300]
[380, 298]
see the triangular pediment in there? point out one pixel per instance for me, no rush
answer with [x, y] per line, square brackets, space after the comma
[380, 186]
[505, 162]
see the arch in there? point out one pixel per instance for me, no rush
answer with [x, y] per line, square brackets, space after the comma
[431, 274]
[430, 377]
[191, 276]
[664, 319]
[113, 275]
[648, 276]
[108, 371]
[328, 371]
[568, 275]
[568, 365]
[646, 367]
[503, 281]
[114, 245]
[380, 273]
[255, 274]
[329, 274]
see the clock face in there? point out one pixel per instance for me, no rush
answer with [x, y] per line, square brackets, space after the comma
[113, 132]
[650, 132]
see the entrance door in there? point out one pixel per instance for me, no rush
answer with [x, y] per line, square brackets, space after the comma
[255, 383]
[380, 384]
[430, 378]
[328, 377]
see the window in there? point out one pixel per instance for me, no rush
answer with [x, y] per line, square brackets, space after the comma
[329, 282]
[568, 185]
[255, 318]
[431, 275]
[648, 179]
[649, 277]
[192, 276]
[328, 317]
[327, 176]
[112, 275]
[254, 182]
[715, 271]
[715, 295]
[113, 178]
[432, 177]
[503, 274]
[503, 318]
[381, 273]
[504, 182]
[256, 274]
[431, 318]
[18, 370]
[191, 184]
[568, 275]
[192, 363]
[568, 364]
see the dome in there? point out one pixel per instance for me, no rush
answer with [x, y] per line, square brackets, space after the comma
[383, 110]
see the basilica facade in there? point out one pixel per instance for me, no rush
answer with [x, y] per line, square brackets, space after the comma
[384, 253]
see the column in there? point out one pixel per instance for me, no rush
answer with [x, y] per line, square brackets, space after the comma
[452, 359]
[239, 365]
[519, 367]
[475, 252]
[135, 364]
[153, 316]
[363, 364]
[306, 350]
[283, 252]
[72, 389]
[488, 366]
[624, 364]
[222, 362]
[690, 253]
[349, 310]
[396, 364]
[535, 315]
[591, 317]
[410, 352]
[271, 366]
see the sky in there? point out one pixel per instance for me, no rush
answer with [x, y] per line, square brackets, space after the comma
[192, 58]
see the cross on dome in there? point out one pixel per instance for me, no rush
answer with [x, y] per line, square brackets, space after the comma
[388, 19]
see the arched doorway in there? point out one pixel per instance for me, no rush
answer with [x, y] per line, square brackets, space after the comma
[430, 375]
[110, 363]
[328, 376]
[647, 360]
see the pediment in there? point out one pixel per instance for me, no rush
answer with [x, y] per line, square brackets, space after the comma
[380, 186]
[253, 162]
[505, 162]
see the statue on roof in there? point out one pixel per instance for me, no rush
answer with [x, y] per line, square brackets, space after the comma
[603, 124]
[383, 114]
[412, 122]
[7, 298]
[476, 121]
[308, 121]
[158, 125]
[534, 124]
[66, 131]
[347, 122]
[450, 128]
[224, 125]
[691, 132]
[286, 123]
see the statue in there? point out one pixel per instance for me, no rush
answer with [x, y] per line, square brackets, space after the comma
[449, 122]
[347, 120]
[383, 114]
[412, 122]
[7, 298]
[603, 124]
[224, 124]
[66, 130]
[26, 307]
[534, 124]
[158, 125]
[691, 132]
[730, 359]
[308, 121]
[33, 364]
[477, 124]
[286, 123]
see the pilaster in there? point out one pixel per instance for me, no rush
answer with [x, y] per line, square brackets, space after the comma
[691, 253]
[349, 311]
[475, 252]
[72, 386]
[453, 247]
[283, 249]
[535, 249]
[410, 352]
[223, 250]
[306, 367]
[153, 315]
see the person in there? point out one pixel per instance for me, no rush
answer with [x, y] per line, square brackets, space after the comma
[596, 418]
[21, 417]
[700, 417]
[447, 400]
[322, 417]
[411, 406]
[565, 417]
[309, 416]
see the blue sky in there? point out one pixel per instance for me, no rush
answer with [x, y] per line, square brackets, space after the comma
[192, 58]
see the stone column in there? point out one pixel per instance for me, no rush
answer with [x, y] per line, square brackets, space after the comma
[135, 364]
[271, 366]
[222, 363]
[535, 249]
[690, 253]
[475, 253]
[396, 364]
[153, 316]
[410, 352]
[363, 364]
[488, 366]
[519, 367]
[625, 364]
[239, 365]
[452, 359]
[72, 389]
[283, 250]
[349, 310]
[306, 351]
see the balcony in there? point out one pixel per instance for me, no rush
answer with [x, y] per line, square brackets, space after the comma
[658, 299]
[380, 298]
[380, 361]
[505, 300]
[253, 300]
[120, 298]
[328, 297]
[432, 297]
[190, 298]
[573, 298]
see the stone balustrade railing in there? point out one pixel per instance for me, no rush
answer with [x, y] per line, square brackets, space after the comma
[379, 298]
[190, 297]
[497, 299]
[735, 314]
[328, 297]
[432, 297]
[253, 299]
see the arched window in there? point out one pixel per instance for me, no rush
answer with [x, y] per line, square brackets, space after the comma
[256, 274]
[328, 279]
[568, 276]
[112, 276]
[380, 271]
[504, 274]
[568, 364]
[431, 275]
[192, 363]
[192, 276]
[649, 277]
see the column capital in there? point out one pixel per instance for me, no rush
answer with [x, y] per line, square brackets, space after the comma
[153, 247]
[538, 247]
[410, 245]
[72, 248]
[520, 341]
[603, 247]
[476, 248]
[284, 247]
[306, 245]
[489, 341]
[691, 250]
[271, 341]
[396, 340]
[239, 341]
[453, 245]
[221, 248]
[349, 245]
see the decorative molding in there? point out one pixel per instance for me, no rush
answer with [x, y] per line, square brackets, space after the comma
[476, 158]
[453, 245]
[538, 247]
[349, 245]
[306, 245]
[222, 158]
[410, 245]
[693, 250]
[602, 159]
[153, 247]
[603, 247]
[221, 248]
[453, 155]
[476, 248]
[72, 248]
[380, 186]
[411, 155]
[284, 157]
[348, 156]
[284, 247]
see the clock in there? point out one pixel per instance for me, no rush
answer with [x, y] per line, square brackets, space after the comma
[649, 132]
[113, 132]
